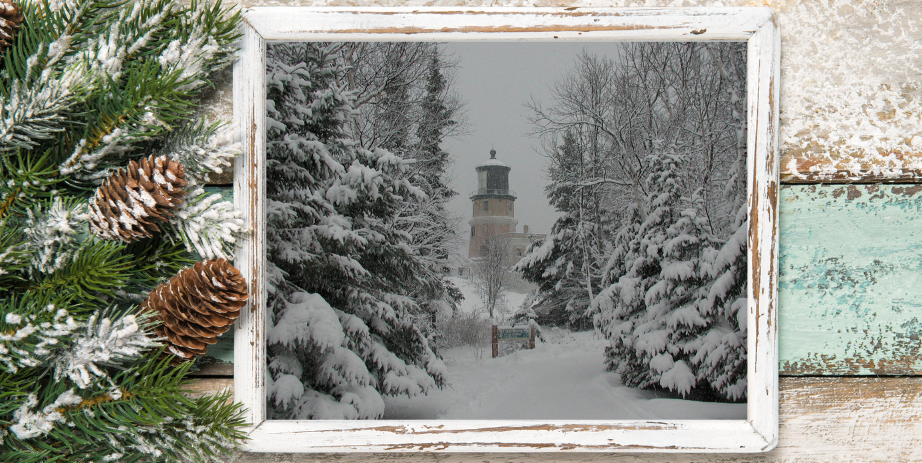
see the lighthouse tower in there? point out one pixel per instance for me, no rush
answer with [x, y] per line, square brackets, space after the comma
[493, 204]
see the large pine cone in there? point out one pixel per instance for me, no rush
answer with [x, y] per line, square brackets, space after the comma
[10, 20]
[131, 202]
[197, 305]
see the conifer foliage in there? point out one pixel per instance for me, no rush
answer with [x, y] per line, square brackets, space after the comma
[647, 157]
[356, 227]
[88, 87]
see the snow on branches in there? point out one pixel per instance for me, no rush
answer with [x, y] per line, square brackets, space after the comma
[357, 233]
[646, 152]
[51, 234]
[90, 86]
[104, 343]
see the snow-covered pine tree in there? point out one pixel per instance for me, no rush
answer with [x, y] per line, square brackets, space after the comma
[676, 302]
[560, 299]
[429, 223]
[564, 264]
[721, 354]
[405, 106]
[342, 331]
[620, 311]
[86, 87]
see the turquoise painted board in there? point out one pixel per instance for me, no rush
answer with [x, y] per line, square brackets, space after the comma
[850, 283]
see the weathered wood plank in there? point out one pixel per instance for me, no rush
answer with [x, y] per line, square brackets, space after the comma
[822, 420]
[850, 286]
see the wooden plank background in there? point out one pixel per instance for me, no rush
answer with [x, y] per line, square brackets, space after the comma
[851, 240]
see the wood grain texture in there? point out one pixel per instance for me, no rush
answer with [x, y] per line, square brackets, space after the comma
[249, 198]
[851, 280]
[822, 420]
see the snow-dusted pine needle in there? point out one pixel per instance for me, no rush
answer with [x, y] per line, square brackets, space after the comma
[104, 343]
[208, 226]
[29, 423]
[32, 343]
[51, 234]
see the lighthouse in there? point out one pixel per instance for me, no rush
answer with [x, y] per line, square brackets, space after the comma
[493, 206]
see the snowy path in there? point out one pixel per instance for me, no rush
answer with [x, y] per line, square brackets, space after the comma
[564, 379]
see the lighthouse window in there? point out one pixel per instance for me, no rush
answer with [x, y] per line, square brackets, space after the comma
[486, 205]
[484, 251]
[472, 232]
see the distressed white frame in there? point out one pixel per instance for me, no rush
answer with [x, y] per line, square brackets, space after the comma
[757, 26]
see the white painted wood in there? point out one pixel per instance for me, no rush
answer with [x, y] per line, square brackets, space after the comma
[249, 197]
[823, 420]
[764, 79]
[439, 24]
[757, 25]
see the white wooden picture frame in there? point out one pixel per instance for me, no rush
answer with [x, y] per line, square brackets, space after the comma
[757, 26]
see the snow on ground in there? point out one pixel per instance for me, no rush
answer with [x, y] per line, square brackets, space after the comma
[563, 378]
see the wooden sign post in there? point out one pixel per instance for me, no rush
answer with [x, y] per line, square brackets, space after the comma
[512, 333]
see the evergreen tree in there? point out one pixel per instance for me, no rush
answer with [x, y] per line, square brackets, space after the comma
[649, 177]
[621, 310]
[721, 354]
[405, 107]
[342, 278]
[675, 303]
[563, 264]
[86, 87]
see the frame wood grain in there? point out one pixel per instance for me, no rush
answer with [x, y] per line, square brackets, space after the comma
[757, 26]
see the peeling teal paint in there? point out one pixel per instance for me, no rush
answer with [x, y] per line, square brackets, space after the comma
[850, 282]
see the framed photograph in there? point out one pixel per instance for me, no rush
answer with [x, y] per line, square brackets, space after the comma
[508, 229]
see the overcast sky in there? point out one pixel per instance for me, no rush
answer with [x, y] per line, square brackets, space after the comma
[495, 81]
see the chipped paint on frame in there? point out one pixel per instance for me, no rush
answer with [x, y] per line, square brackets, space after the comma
[756, 25]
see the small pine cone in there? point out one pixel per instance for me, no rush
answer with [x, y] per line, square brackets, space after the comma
[130, 203]
[10, 19]
[196, 306]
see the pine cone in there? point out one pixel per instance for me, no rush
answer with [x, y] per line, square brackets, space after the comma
[197, 305]
[10, 20]
[131, 202]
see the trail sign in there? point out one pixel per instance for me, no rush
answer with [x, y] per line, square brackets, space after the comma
[512, 333]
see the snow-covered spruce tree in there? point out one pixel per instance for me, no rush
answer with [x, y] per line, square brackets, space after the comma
[85, 87]
[721, 351]
[342, 331]
[675, 303]
[429, 224]
[620, 311]
[563, 264]
[404, 104]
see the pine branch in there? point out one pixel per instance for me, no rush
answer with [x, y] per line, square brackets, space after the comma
[14, 257]
[28, 179]
[207, 226]
[147, 106]
[154, 262]
[102, 82]
[95, 275]
[32, 328]
[42, 85]
[161, 89]
[52, 234]
[142, 414]
[111, 339]
[203, 147]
